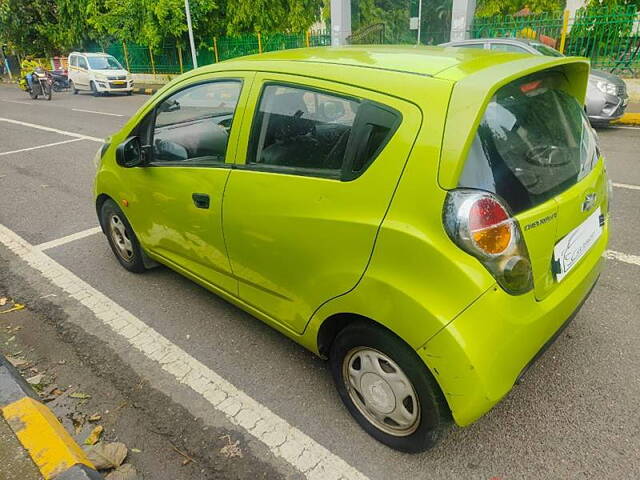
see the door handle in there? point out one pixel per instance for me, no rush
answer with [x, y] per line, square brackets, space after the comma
[200, 200]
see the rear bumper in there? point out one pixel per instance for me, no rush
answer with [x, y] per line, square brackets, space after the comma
[480, 355]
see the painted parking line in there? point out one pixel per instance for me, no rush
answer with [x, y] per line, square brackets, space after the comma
[69, 238]
[623, 257]
[54, 130]
[311, 459]
[626, 185]
[98, 113]
[41, 146]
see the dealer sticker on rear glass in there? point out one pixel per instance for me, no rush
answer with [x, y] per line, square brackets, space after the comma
[568, 251]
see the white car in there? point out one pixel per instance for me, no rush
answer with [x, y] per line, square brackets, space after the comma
[98, 73]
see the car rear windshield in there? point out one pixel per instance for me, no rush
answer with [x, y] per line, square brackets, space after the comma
[534, 142]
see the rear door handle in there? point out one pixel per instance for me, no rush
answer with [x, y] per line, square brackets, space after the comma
[200, 200]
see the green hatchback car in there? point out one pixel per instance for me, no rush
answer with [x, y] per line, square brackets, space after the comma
[428, 219]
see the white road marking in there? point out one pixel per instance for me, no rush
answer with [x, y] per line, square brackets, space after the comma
[54, 130]
[41, 146]
[99, 113]
[626, 185]
[20, 103]
[625, 128]
[69, 238]
[623, 257]
[284, 440]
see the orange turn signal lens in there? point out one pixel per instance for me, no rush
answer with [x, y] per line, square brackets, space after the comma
[495, 239]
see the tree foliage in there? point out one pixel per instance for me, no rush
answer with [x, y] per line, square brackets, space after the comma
[44, 27]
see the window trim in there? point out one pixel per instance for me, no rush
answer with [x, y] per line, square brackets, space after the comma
[342, 174]
[152, 124]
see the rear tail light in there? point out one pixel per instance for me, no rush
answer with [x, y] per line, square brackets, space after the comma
[480, 224]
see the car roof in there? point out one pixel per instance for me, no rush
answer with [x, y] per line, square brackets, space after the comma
[417, 60]
[91, 54]
[523, 41]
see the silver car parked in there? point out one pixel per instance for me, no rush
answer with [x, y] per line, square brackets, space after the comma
[606, 94]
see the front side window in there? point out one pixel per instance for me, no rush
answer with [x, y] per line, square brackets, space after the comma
[533, 143]
[193, 125]
[301, 129]
[505, 47]
[104, 63]
[82, 62]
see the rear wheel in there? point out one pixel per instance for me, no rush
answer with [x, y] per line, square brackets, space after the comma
[122, 239]
[387, 388]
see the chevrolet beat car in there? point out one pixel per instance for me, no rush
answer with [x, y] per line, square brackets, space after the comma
[607, 96]
[427, 219]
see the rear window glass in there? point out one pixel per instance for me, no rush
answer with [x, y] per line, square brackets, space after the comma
[533, 143]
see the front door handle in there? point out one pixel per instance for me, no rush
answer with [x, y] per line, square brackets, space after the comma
[200, 200]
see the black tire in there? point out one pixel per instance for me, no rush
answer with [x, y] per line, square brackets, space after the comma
[433, 414]
[33, 94]
[73, 88]
[47, 91]
[129, 255]
[94, 90]
[129, 93]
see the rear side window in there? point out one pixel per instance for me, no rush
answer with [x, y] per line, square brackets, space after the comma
[310, 132]
[302, 129]
[533, 143]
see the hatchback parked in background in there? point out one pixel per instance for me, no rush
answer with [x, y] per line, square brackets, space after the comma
[98, 73]
[426, 219]
[607, 96]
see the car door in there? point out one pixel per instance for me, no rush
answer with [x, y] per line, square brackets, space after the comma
[316, 169]
[82, 74]
[176, 200]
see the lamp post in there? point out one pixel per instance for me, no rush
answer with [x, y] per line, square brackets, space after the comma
[193, 46]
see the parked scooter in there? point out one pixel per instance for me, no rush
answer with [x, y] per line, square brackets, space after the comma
[41, 84]
[60, 80]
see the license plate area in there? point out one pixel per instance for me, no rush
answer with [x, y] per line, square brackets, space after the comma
[568, 251]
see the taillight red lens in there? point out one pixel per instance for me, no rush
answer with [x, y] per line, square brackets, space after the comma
[490, 226]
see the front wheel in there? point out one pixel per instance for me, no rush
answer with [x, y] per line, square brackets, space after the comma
[73, 87]
[94, 90]
[387, 388]
[32, 93]
[122, 239]
[47, 91]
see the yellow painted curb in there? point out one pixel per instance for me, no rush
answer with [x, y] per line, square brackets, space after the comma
[629, 119]
[41, 434]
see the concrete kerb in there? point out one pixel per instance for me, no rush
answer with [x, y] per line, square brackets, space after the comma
[50, 446]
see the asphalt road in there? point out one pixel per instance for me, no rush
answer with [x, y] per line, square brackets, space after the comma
[574, 416]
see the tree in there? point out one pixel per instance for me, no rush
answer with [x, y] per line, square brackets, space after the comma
[26, 26]
[269, 16]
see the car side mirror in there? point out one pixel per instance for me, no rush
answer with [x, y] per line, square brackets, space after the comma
[129, 153]
[169, 106]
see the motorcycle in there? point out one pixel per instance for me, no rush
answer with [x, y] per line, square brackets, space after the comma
[60, 80]
[41, 84]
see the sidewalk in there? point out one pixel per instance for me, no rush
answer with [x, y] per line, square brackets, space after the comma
[15, 463]
[28, 428]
